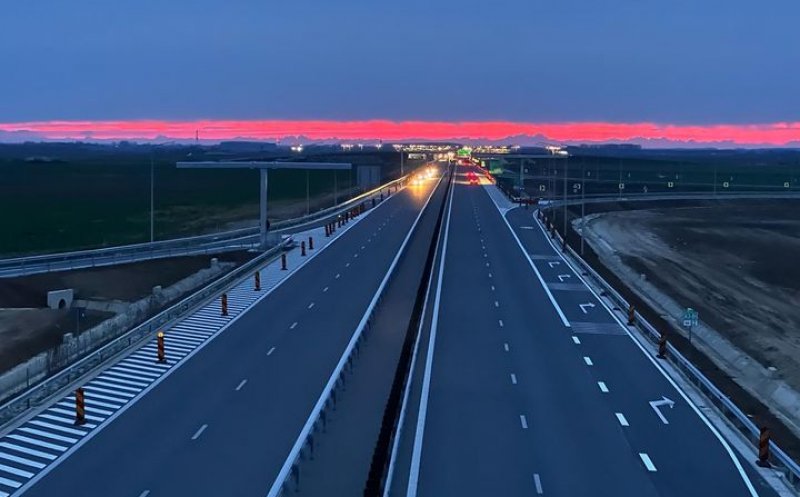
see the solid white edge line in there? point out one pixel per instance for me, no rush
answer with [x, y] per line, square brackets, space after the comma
[413, 472]
[277, 485]
[703, 418]
[102, 423]
[530, 261]
[401, 420]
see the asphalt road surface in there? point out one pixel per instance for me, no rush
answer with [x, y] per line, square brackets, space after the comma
[527, 386]
[224, 422]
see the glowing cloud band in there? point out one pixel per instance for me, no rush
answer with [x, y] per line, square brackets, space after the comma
[771, 134]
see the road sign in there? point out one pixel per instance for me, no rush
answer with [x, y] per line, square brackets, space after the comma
[542, 188]
[786, 184]
[670, 184]
[725, 184]
[690, 317]
[622, 186]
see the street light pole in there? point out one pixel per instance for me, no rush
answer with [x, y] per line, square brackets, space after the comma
[583, 202]
[152, 182]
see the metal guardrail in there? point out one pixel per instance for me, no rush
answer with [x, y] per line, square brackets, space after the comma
[779, 459]
[241, 238]
[41, 392]
[318, 416]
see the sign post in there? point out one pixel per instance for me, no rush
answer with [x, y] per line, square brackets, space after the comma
[690, 319]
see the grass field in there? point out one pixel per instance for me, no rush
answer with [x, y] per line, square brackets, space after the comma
[56, 197]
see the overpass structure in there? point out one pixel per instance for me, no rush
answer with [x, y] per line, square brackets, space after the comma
[520, 380]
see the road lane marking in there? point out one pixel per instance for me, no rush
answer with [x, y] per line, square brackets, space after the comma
[416, 454]
[538, 482]
[337, 275]
[603, 387]
[496, 303]
[347, 264]
[621, 419]
[15, 471]
[523, 421]
[647, 462]
[576, 340]
[362, 247]
[293, 325]
[324, 289]
[505, 346]
[10, 483]
[21, 460]
[588, 361]
[492, 287]
[199, 432]
[311, 305]
[490, 275]
[513, 379]
[501, 322]
[30, 452]
[536, 270]
[241, 384]
[487, 264]
[38, 443]
[145, 493]
[271, 351]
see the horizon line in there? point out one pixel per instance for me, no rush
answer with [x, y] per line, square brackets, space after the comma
[775, 134]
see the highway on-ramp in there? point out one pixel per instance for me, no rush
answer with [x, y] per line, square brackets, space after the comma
[224, 422]
[528, 386]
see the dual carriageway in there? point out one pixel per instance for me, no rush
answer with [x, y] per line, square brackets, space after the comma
[523, 382]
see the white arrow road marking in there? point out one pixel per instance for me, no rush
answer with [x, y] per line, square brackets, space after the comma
[664, 401]
[562, 277]
[554, 263]
[526, 227]
[584, 306]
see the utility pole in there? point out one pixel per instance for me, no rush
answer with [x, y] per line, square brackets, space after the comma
[152, 195]
[583, 202]
[566, 168]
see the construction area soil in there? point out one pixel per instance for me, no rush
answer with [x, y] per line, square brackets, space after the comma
[28, 327]
[732, 261]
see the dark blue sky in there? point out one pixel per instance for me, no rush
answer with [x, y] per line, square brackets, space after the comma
[697, 61]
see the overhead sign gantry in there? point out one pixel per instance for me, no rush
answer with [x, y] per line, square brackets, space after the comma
[263, 167]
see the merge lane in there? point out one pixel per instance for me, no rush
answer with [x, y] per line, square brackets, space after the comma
[511, 411]
[687, 454]
[285, 349]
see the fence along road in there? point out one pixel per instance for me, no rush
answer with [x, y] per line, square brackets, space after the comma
[235, 408]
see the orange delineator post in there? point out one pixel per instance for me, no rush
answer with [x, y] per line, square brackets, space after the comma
[662, 346]
[80, 407]
[224, 304]
[162, 355]
[258, 281]
[763, 448]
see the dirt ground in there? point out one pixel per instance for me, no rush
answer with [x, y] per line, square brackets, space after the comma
[27, 327]
[734, 263]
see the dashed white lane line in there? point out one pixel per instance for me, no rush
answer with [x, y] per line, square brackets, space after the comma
[485, 255]
[505, 346]
[293, 326]
[363, 247]
[347, 264]
[311, 305]
[271, 351]
[337, 275]
[490, 275]
[324, 289]
[523, 421]
[588, 360]
[355, 256]
[538, 483]
[199, 432]
[496, 303]
[501, 322]
[145, 493]
[513, 379]
[576, 340]
[621, 419]
[647, 462]
[241, 384]
[492, 287]
[603, 387]
[487, 264]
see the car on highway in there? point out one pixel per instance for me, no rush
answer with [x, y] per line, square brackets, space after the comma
[472, 178]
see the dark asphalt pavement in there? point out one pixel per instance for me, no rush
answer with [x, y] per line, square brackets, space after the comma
[522, 404]
[196, 433]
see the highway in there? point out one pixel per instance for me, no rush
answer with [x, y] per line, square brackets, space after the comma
[526, 385]
[224, 422]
